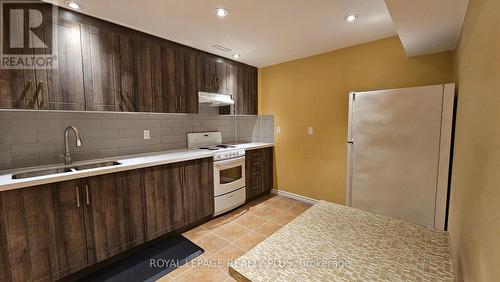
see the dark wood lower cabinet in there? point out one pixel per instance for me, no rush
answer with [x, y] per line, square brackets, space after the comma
[50, 231]
[267, 169]
[198, 190]
[113, 213]
[259, 172]
[162, 196]
[176, 195]
[42, 233]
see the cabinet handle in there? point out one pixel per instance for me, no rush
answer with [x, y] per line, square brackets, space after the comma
[77, 196]
[27, 90]
[180, 102]
[87, 194]
[39, 89]
[29, 85]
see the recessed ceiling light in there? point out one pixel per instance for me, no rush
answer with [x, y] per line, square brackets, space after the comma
[351, 18]
[236, 56]
[74, 5]
[221, 12]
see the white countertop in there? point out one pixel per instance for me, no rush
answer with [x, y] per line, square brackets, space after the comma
[126, 163]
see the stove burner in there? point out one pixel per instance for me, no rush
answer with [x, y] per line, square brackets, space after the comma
[225, 146]
[209, 148]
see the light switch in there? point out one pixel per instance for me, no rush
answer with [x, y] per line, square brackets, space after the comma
[278, 130]
[310, 130]
[147, 134]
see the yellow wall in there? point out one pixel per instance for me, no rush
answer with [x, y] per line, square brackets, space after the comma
[313, 92]
[474, 221]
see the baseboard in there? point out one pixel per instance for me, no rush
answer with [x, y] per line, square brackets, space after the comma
[294, 196]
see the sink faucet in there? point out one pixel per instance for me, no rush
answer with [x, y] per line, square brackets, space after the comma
[79, 143]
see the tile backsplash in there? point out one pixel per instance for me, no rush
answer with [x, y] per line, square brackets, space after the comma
[30, 138]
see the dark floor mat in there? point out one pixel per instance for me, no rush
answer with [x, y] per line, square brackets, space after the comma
[149, 264]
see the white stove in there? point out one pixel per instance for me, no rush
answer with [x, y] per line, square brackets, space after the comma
[229, 170]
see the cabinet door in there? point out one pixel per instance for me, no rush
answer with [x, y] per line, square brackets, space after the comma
[128, 72]
[244, 90]
[143, 76]
[164, 76]
[162, 200]
[221, 77]
[17, 86]
[113, 214]
[251, 91]
[267, 166]
[136, 93]
[187, 82]
[230, 84]
[206, 73]
[42, 231]
[61, 88]
[198, 189]
[101, 68]
[178, 207]
[240, 91]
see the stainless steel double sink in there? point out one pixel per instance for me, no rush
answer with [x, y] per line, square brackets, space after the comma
[62, 169]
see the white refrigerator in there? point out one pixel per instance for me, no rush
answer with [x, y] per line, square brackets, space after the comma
[398, 148]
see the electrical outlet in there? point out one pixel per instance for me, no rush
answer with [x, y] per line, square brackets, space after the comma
[310, 130]
[147, 134]
[278, 130]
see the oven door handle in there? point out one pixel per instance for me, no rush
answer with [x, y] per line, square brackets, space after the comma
[226, 163]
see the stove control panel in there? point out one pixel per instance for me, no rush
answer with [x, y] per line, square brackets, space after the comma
[229, 154]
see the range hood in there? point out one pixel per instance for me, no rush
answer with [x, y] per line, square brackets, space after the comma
[214, 99]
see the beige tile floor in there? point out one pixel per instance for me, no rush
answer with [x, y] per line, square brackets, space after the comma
[227, 237]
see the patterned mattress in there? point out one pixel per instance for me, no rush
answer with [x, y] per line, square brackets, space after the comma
[331, 242]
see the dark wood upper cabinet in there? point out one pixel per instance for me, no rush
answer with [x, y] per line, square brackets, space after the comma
[206, 73]
[54, 87]
[252, 89]
[240, 91]
[164, 78]
[212, 74]
[221, 77]
[106, 67]
[128, 74]
[101, 68]
[18, 87]
[187, 87]
[241, 83]
[144, 76]
[136, 74]
[42, 233]
[113, 213]
[62, 87]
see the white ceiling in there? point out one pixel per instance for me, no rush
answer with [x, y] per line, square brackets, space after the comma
[428, 26]
[263, 32]
[267, 32]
